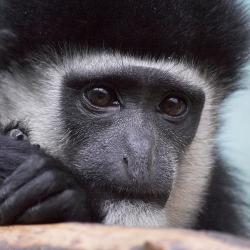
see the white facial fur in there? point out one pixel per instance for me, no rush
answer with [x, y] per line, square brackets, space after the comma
[40, 107]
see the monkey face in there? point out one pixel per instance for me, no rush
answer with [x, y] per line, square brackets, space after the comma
[129, 124]
[127, 128]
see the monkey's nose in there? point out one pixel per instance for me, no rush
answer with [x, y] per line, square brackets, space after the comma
[139, 158]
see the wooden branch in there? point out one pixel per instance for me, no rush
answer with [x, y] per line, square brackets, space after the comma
[97, 237]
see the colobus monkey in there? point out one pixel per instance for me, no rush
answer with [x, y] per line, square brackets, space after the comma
[108, 111]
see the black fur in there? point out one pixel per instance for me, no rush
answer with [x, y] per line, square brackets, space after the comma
[212, 33]
[222, 209]
[36, 188]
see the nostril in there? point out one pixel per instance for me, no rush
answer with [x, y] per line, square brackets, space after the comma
[125, 160]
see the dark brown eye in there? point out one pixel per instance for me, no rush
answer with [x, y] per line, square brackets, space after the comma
[174, 106]
[101, 97]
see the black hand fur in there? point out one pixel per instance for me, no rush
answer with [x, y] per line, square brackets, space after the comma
[35, 188]
[12, 154]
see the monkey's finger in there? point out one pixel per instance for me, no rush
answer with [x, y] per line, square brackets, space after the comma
[31, 168]
[37, 190]
[61, 207]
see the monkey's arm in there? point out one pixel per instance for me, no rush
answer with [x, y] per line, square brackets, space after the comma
[35, 188]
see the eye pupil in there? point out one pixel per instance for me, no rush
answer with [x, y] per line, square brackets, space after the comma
[174, 106]
[101, 97]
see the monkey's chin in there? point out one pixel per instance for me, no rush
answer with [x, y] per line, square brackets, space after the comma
[128, 210]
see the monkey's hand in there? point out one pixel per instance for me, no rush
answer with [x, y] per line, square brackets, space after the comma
[35, 188]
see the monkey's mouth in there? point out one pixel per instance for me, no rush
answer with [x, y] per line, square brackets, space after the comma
[113, 183]
[129, 190]
[124, 193]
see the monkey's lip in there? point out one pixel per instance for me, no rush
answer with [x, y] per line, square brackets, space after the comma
[130, 188]
[126, 187]
[124, 193]
[140, 196]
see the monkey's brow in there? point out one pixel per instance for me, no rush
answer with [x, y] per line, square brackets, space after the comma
[158, 80]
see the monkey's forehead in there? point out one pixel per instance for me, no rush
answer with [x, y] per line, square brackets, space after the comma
[213, 33]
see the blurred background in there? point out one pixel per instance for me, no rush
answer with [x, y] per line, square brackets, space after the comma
[234, 136]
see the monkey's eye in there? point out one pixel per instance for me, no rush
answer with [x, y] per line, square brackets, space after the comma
[174, 106]
[101, 97]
